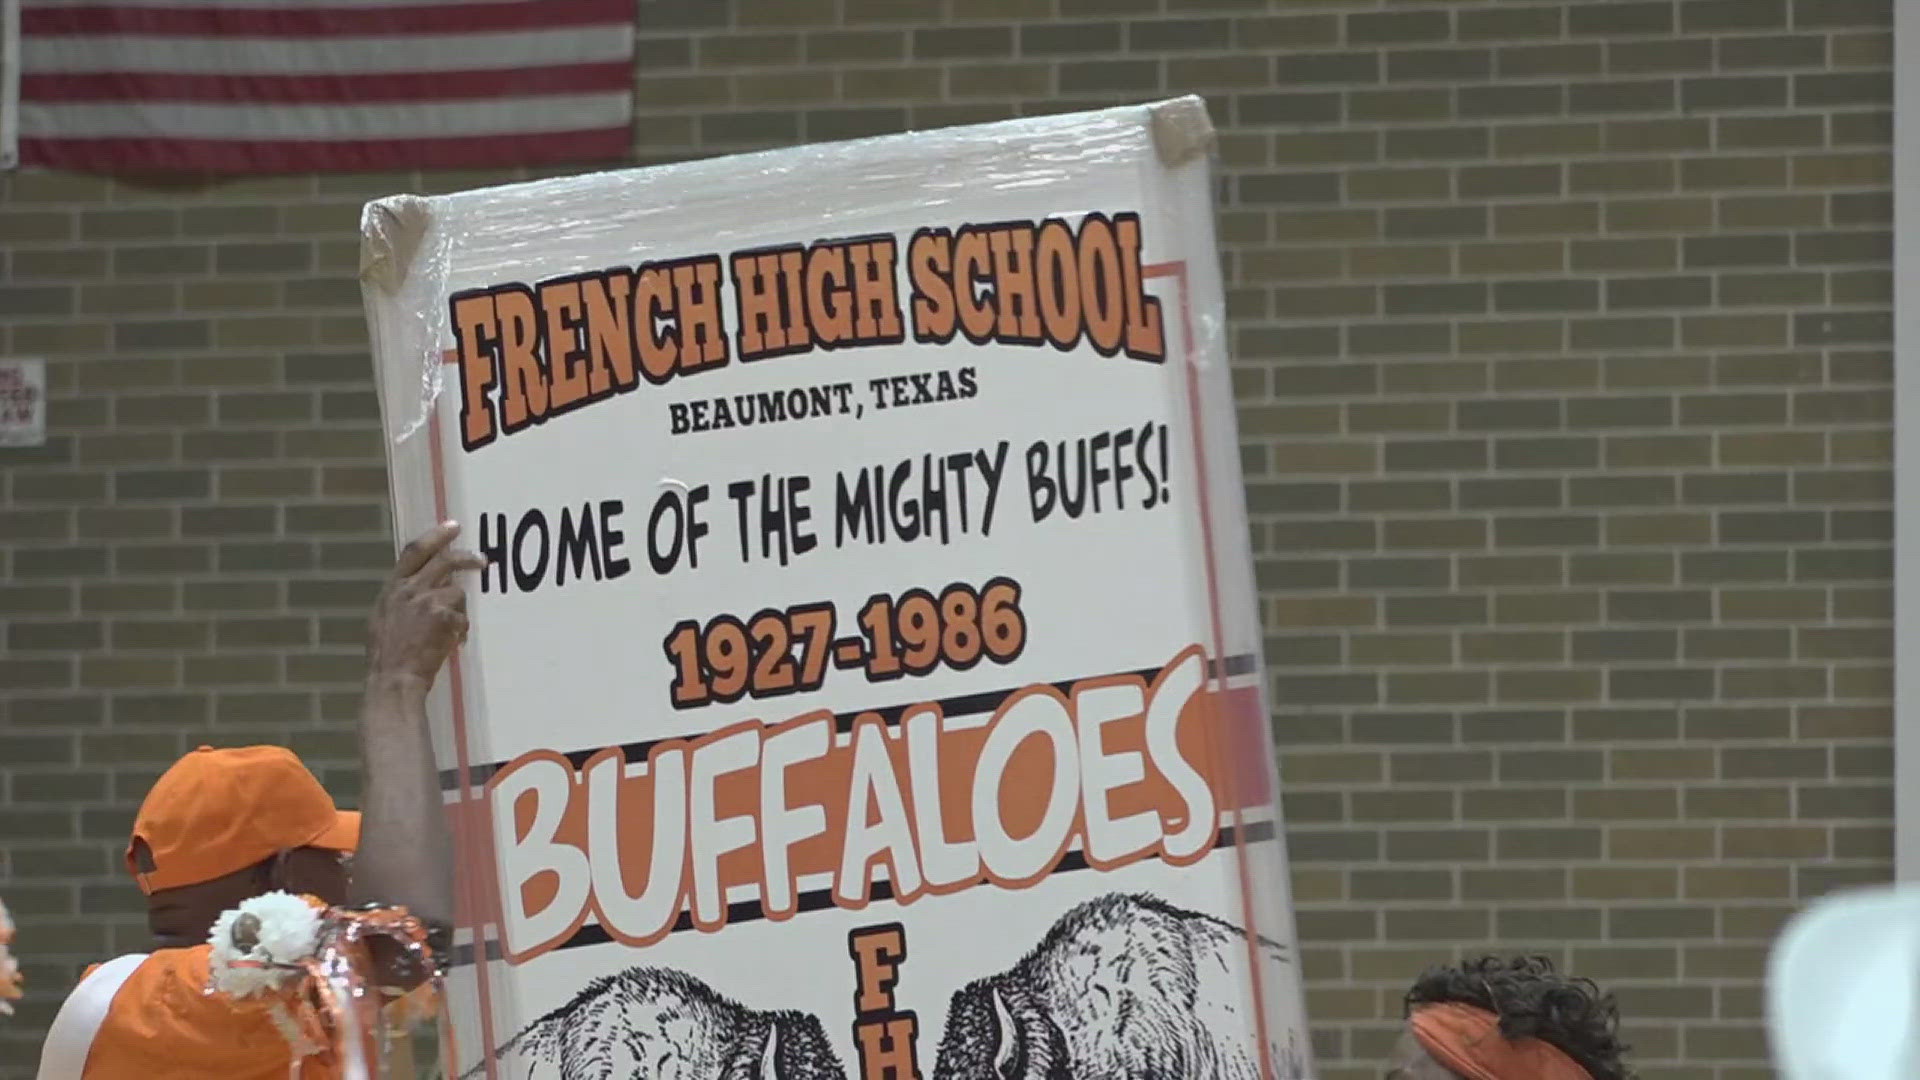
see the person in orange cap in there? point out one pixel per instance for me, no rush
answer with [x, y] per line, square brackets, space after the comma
[1499, 1019]
[225, 825]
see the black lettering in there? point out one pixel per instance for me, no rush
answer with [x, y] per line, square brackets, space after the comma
[661, 559]
[611, 539]
[493, 548]
[1039, 484]
[1097, 473]
[527, 580]
[852, 509]
[958, 466]
[933, 497]
[904, 510]
[992, 471]
[773, 406]
[695, 527]
[798, 514]
[740, 491]
[579, 542]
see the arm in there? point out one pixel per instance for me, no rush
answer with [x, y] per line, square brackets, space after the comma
[406, 849]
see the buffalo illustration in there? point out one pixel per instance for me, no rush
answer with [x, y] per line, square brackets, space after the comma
[659, 1024]
[1124, 987]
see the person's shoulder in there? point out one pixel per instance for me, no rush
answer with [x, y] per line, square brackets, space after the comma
[167, 1022]
[191, 965]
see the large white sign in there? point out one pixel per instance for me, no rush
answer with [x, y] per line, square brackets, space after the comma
[866, 675]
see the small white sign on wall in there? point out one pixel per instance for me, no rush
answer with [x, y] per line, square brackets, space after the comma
[23, 402]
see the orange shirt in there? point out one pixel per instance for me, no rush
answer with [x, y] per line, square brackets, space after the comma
[163, 1025]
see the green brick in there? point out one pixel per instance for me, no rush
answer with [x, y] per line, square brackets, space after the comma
[1503, 25]
[1518, 257]
[128, 224]
[855, 45]
[1429, 144]
[1510, 181]
[1678, 55]
[1396, 28]
[1771, 51]
[1439, 65]
[1519, 646]
[1623, 19]
[967, 41]
[1329, 67]
[1371, 106]
[63, 636]
[256, 258]
[1530, 140]
[1632, 96]
[757, 13]
[1108, 76]
[1289, 108]
[1434, 845]
[1440, 222]
[1824, 90]
[1538, 61]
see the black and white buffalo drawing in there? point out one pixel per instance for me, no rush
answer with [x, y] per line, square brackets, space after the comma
[1124, 987]
[648, 1023]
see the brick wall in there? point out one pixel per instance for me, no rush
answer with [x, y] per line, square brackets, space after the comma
[1563, 344]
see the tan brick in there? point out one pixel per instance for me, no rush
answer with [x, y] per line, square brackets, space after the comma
[1625, 883]
[1663, 764]
[1614, 803]
[1661, 844]
[1737, 882]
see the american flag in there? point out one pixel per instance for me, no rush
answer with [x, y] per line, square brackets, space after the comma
[260, 86]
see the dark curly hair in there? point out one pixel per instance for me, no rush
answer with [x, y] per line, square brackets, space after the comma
[1532, 999]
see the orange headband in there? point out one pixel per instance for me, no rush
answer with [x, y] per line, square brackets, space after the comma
[1467, 1041]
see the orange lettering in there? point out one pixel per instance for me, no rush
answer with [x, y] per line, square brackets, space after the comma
[561, 303]
[476, 331]
[525, 401]
[1055, 267]
[971, 255]
[608, 301]
[1144, 338]
[930, 260]
[652, 306]
[756, 288]
[876, 294]
[1101, 285]
[703, 341]
[1014, 284]
[827, 309]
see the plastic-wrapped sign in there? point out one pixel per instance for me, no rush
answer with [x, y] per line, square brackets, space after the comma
[866, 673]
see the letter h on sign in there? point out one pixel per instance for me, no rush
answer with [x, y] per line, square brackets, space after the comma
[886, 1048]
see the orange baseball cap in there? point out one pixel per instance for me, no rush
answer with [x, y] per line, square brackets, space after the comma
[216, 812]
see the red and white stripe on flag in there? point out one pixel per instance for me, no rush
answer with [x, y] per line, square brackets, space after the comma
[259, 86]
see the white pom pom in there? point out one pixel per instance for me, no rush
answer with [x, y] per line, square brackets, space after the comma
[255, 942]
